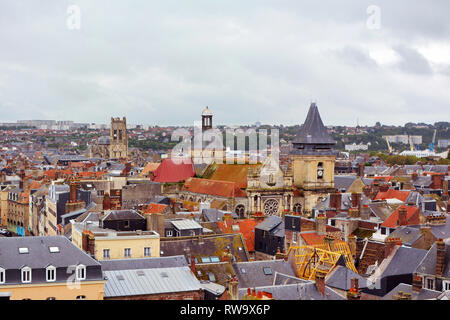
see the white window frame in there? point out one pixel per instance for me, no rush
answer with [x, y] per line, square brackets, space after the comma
[2, 275]
[427, 281]
[23, 271]
[125, 252]
[80, 272]
[169, 233]
[445, 285]
[50, 268]
[149, 249]
[109, 254]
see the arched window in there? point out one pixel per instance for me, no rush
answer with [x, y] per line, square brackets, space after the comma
[298, 208]
[81, 297]
[320, 170]
[240, 211]
[80, 272]
[50, 273]
[26, 275]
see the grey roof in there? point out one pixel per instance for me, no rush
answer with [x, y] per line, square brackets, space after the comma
[340, 278]
[298, 291]
[122, 214]
[284, 279]
[424, 294]
[342, 182]
[123, 283]
[104, 140]
[428, 264]
[313, 131]
[404, 261]
[144, 263]
[408, 235]
[269, 223]
[214, 215]
[212, 287]
[185, 224]
[346, 201]
[251, 274]
[39, 255]
[424, 181]
[381, 209]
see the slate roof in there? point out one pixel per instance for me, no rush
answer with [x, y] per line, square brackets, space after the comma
[123, 283]
[424, 294]
[215, 215]
[408, 235]
[209, 246]
[39, 255]
[404, 261]
[313, 131]
[428, 264]
[340, 278]
[252, 274]
[297, 291]
[272, 224]
[144, 263]
[122, 214]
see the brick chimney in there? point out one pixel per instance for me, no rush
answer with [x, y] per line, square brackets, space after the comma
[353, 213]
[402, 212]
[389, 247]
[384, 187]
[356, 200]
[106, 202]
[22, 179]
[353, 293]
[73, 191]
[352, 244]
[436, 181]
[233, 289]
[440, 257]
[365, 212]
[321, 224]
[360, 170]
[417, 284]
[335, 201]
[320, 282]
[193, 263]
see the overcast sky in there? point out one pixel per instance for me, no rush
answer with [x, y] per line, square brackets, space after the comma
[162, 62]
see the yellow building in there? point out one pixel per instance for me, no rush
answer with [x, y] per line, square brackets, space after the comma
[313, 159]
[4, 204]
[48, 268]
[105, 244]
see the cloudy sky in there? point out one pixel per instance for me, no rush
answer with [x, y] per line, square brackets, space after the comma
[162, 62]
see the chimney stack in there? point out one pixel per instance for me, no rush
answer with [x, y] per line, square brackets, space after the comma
[320, 282]
[365, 212]
[335, 201]
[193, 263]
[353, 293]
[73, 191]
[417, 284]
[440, 257]
[321, 227]
[384, 187]
[106, 202]
[402, 211]
[233, 289]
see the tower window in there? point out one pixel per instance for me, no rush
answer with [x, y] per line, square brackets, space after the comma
[320, 170]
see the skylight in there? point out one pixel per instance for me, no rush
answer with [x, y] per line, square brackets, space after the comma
[54, 249]
[23, 250]
[267, 271]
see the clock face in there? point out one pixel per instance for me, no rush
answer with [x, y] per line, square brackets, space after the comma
[320, 173]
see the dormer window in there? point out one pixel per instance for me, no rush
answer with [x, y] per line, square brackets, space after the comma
[23, 250]
[26, 275]
[2, 275]
[81, 272]
[50, 273]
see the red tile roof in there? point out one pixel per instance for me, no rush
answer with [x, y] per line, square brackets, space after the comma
[236, 173]
[246, 227]
[393, 194]
[412, 217]
[312, 238]
[155, 208]
[171, 171]
[224, 189]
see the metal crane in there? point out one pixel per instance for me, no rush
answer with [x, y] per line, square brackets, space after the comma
[389, 145]
[432, 141]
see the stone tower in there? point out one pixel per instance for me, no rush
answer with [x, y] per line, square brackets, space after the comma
[118, 139]
[206, 119]
[313, 159]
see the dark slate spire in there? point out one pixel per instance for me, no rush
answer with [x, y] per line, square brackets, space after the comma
[313, 135]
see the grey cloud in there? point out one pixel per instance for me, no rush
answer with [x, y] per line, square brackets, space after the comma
[413, 61]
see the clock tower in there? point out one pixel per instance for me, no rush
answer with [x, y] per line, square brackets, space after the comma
[312, 159]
